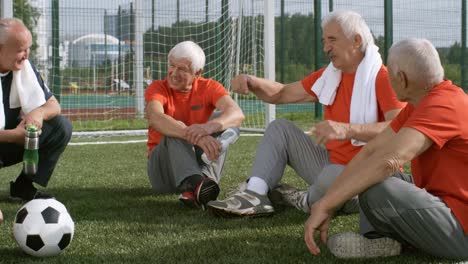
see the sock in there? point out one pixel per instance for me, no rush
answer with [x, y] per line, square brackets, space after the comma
[190, 183]
[258, 185]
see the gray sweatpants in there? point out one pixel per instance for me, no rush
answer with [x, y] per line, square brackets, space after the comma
[285, 144]
[173, 160]
[398, 209]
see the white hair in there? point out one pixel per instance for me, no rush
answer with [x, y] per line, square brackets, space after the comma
[191, 51]
[352, 24]
[419, 59]
[5, 24]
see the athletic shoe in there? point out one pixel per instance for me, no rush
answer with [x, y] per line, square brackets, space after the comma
[285, 194]
[28, 193]
[228, 137]
[240, 188]
[207, 190]
[246, 203]
[352, 245]
[188, 198]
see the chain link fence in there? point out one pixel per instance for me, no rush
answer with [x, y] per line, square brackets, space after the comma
[87, 50]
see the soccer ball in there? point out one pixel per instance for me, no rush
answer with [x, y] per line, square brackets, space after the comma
[43, 227]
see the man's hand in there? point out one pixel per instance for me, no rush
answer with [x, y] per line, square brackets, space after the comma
[210, 146]
[331, 130]
[18, 133]
[35, 117]
[1, 217]
[319, 220]
[240, 84]
[195, 132]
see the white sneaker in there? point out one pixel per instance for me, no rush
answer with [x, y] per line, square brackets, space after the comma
[352, 245]
[228, 137]
[242, 204]
[285, 194]
[240, 188]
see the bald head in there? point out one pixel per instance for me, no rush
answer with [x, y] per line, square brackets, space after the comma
[419, 59]
[9, 24]
[15, 41]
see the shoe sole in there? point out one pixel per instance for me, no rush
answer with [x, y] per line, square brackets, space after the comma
[350, 245]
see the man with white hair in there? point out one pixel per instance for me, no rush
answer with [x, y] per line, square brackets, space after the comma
[26, 100]
[183, 128]
[432, 133]
[359, 103]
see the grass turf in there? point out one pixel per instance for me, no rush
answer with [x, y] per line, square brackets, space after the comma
[119, 220]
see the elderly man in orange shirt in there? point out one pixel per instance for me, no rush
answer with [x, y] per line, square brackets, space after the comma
[359, 103]
[430, 214]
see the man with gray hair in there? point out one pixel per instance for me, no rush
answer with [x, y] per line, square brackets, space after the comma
[359, 103]
[430, 214]
[187, 141]
[26, 100]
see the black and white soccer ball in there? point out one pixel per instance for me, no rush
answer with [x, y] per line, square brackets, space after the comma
[43, 227]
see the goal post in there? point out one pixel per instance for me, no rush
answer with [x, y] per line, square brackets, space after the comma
[110, 52]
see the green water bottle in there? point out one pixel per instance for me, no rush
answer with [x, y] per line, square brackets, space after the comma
[31, 150]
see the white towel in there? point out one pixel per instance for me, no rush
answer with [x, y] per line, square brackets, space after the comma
[26, 92]
[363, 100]
[325, 86]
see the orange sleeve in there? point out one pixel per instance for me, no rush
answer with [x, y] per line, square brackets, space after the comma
[386, 97]
[310, 79]
[218, 91]
[398, 122]
[156, 91]
[435, 119]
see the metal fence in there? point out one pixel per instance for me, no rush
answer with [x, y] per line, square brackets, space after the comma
[87, 50]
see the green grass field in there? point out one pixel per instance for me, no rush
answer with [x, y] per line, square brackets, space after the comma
[119, 220]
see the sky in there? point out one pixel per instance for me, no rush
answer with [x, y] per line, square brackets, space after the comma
[415, 18]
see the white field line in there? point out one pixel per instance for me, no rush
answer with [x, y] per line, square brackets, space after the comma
[134, 141]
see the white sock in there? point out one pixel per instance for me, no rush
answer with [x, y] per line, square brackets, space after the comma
[257, 185]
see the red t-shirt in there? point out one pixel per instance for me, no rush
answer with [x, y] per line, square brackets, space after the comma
[194, 107]
[341, 152]
[443, 168]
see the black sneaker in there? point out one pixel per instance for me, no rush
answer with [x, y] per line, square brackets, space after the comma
[29, 193]
[188, 198]
[207, 190]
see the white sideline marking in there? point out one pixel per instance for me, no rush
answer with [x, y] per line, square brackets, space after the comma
[133, 141]
[105, 142]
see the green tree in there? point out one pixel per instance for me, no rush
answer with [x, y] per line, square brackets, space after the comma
[454, 53]
[29, 15]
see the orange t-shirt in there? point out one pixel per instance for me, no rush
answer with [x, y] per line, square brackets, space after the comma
[341, 152]
[194, 107]
[443, 168]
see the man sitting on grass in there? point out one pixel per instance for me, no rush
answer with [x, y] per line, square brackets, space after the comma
[359, 103]
[182, 127]
[432, 133]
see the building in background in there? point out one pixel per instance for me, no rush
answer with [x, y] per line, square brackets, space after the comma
[95, 49]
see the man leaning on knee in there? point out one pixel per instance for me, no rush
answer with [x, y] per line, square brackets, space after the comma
[26, 100]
